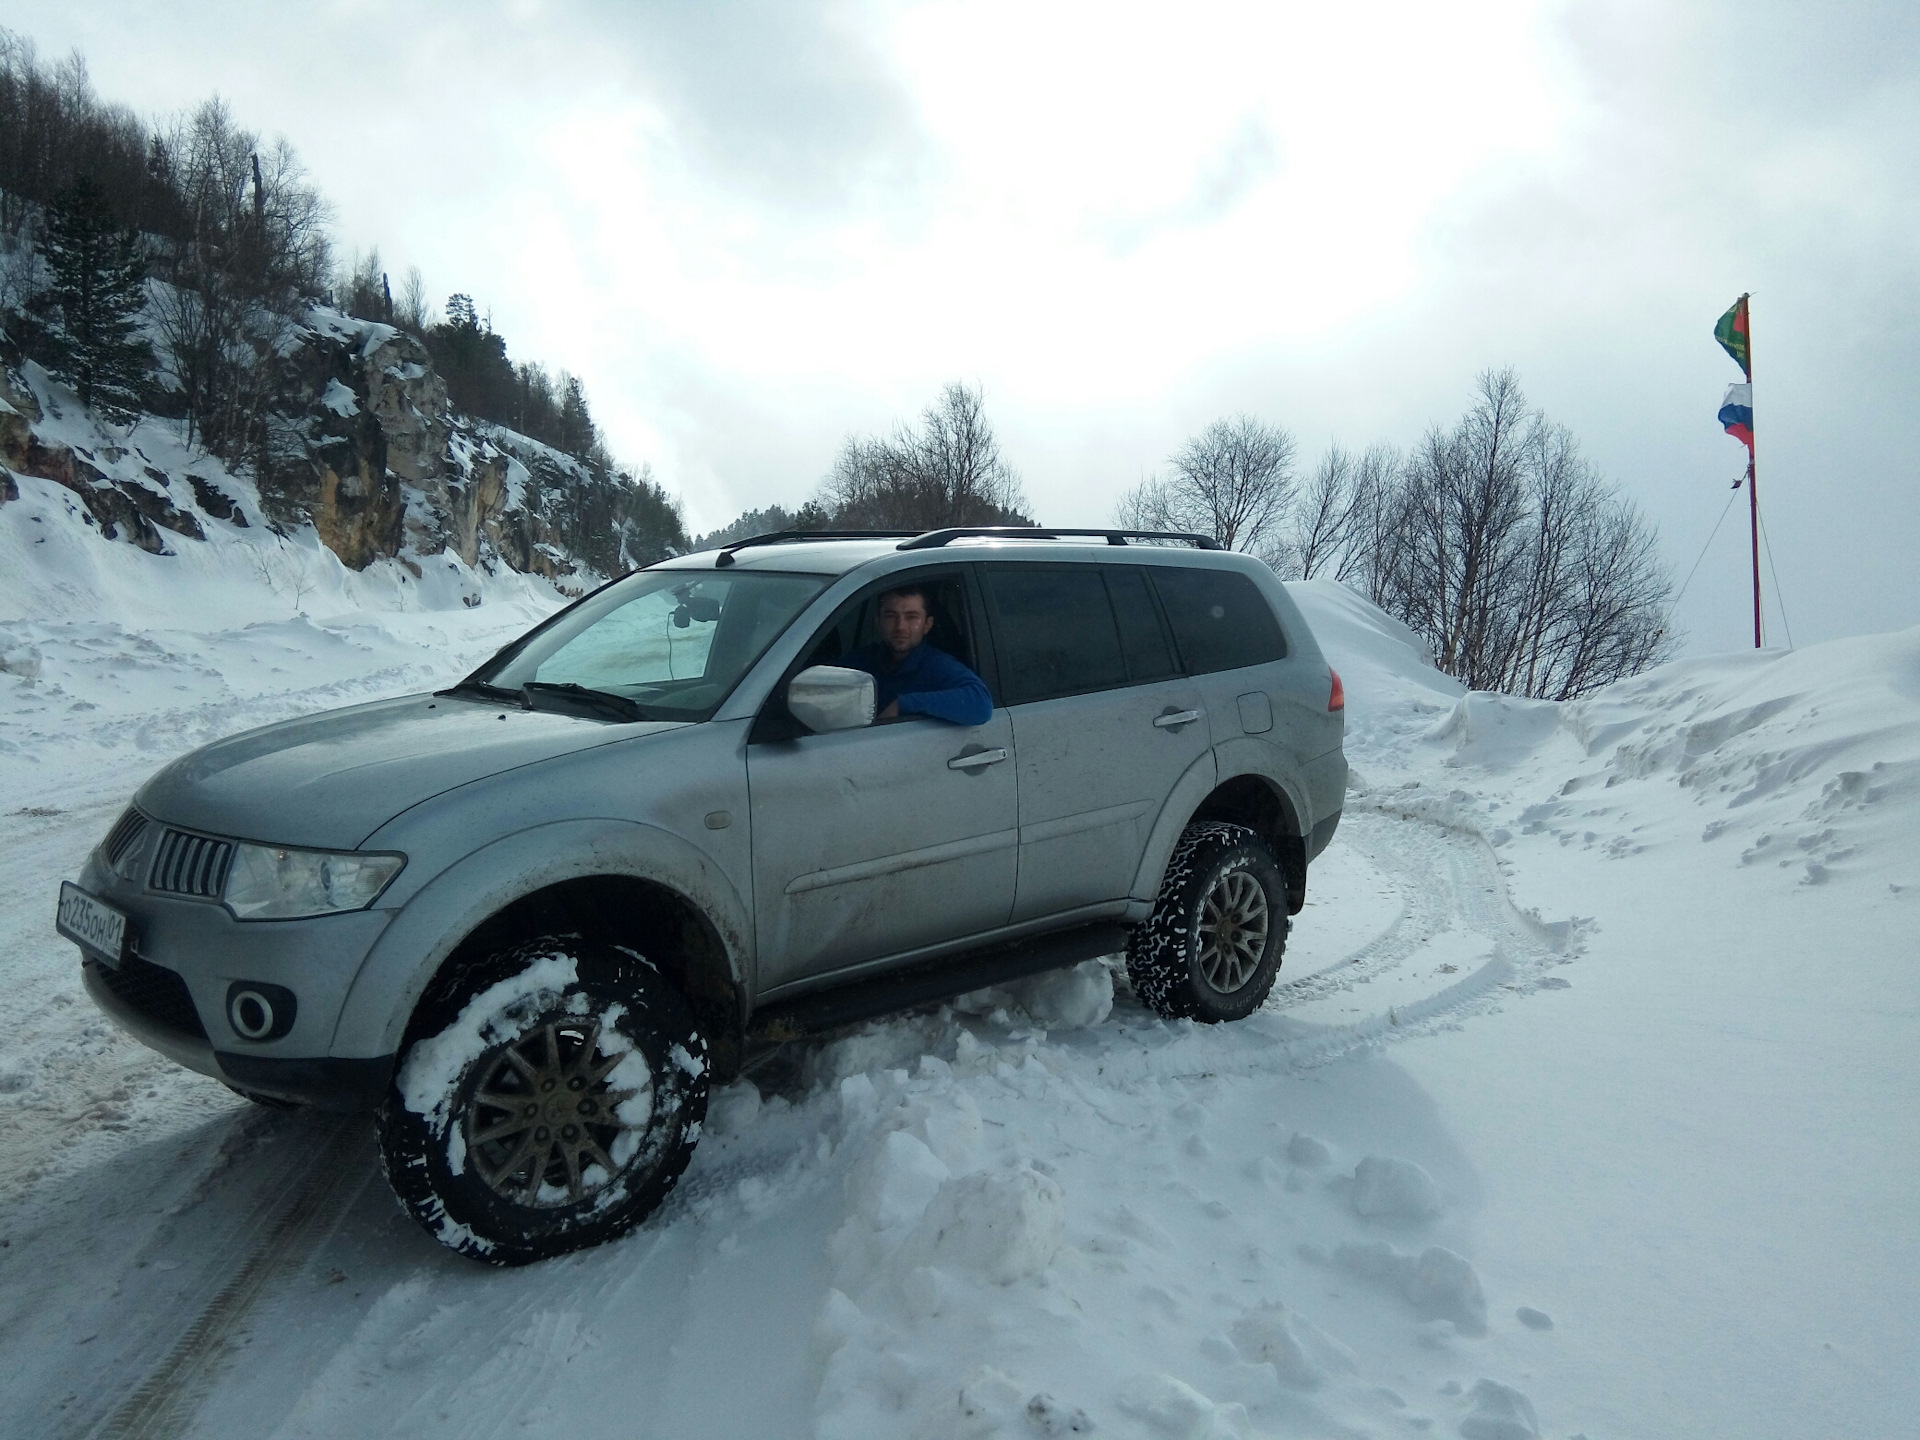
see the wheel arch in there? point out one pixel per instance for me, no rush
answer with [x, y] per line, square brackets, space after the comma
[1239, 795]
[619, 882]
[1261, 805]
[633, 914]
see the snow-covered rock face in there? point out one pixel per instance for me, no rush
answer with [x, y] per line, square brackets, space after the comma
[383, 467]
[372, 457]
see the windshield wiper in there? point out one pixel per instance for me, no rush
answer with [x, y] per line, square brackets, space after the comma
[481, 690]
[599, 702]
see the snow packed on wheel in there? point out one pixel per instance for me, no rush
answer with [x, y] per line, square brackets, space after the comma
[735, 798]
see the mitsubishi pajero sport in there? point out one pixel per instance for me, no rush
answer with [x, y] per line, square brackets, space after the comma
[530, 919]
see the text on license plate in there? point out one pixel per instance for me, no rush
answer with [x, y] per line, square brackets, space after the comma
[87, 921]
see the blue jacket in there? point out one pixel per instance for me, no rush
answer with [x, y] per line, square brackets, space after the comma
[928, 682]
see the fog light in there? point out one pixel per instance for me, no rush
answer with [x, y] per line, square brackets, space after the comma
[259, 1012]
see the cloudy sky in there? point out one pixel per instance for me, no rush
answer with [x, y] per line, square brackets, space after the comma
[754, 227]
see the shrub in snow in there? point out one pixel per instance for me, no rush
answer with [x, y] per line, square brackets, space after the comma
[1499, 1412]
[1389, 1189]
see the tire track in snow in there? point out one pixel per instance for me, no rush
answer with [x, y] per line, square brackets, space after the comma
[1422, 886]
[1478, 902]
[300, 1206]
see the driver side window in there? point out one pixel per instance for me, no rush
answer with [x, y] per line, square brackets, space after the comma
[856, 625]
[854, 628]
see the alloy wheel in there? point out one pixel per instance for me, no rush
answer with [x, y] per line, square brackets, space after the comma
[1234, 920]
[547, 1125]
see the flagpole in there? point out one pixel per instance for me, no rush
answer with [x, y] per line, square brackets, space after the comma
[1753, 493]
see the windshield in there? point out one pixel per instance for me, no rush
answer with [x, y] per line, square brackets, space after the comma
[670, 643]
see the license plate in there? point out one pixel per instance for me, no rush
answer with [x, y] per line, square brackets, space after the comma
[90, 924]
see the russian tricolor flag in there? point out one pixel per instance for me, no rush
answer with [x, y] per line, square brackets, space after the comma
[1736, 413]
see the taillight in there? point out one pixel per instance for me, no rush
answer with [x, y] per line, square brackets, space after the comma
[1337, 697]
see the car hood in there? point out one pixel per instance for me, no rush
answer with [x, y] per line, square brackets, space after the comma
[331, 780]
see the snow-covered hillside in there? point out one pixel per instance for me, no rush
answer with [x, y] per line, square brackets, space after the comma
[1586, 1105]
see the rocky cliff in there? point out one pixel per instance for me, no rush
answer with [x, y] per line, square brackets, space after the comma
[367, 450]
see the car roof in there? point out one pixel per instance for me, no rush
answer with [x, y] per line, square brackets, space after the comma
[842, 556]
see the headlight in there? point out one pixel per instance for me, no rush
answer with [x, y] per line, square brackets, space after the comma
[272, 882]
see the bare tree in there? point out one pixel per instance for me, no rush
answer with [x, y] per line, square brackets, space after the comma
[1369, 536]
[948, 472]
[414, 313]
[1317, 527]
[1231, 482]
[1498, 543]
[250, 250]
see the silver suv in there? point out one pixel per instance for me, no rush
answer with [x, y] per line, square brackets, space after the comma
[530, 919]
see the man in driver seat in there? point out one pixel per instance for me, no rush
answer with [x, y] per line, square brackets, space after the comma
[912, 677]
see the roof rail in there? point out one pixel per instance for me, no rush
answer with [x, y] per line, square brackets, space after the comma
[793, 537]
[934, 539]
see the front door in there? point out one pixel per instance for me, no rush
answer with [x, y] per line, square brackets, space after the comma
[870, 842]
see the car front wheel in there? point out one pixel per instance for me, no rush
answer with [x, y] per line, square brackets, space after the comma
[547, 1100]
[1212, 946]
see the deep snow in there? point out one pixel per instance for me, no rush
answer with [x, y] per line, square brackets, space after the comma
[1586, 1104]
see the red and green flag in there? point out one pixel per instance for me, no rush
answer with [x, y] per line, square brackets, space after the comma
[1731, 332]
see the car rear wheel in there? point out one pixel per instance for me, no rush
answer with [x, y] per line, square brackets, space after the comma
[546, 1101]
[1212, 947]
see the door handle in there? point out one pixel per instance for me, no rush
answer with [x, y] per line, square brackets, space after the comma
[1177, 717]
[974, 759]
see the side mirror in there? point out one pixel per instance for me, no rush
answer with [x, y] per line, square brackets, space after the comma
[826, 697]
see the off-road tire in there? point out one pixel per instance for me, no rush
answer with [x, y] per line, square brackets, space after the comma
[1169, 963]
[520, 1029]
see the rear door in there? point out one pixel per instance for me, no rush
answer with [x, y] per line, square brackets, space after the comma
[1229, 642]
[868, 843]
[1103, 723]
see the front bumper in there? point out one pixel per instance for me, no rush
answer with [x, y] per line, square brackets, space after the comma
[325, 1082]
[171, 993]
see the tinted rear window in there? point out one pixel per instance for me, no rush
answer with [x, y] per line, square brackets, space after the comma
[1220, 620]
[1054, 631]
[1142, 636]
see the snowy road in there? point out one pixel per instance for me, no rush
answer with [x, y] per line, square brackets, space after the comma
[218, 1255]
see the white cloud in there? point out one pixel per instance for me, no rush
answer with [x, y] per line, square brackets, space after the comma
[753, 227]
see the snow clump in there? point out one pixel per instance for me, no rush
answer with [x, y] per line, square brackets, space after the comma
[1499, 1412]
[1301, 1354]
[1005, 1226]
[1389, 1189]
[1437, 1283]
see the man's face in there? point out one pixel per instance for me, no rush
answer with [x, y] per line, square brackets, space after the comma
[904, 623]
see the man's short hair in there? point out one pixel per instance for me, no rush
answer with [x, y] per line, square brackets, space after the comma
[903, 591]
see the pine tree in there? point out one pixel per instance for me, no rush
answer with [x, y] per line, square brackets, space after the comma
[99, 281]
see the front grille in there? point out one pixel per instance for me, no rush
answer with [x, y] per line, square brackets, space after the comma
[124, 836]
[153, 990]
[190, 865]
